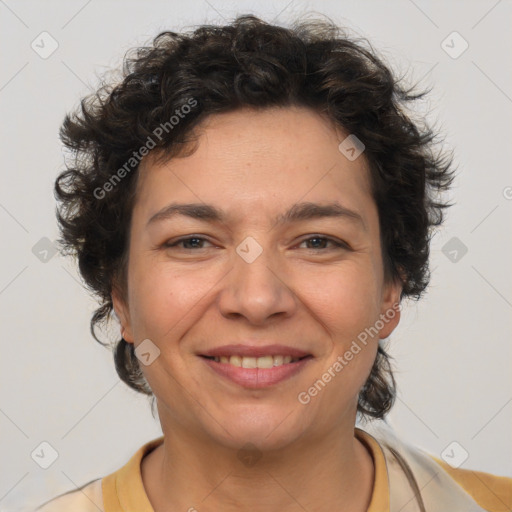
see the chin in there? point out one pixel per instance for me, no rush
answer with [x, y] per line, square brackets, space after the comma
[268, 428]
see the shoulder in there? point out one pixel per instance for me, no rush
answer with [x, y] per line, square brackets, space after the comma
[436, 481]
[104, 494]
[87, 498]
[492, 492]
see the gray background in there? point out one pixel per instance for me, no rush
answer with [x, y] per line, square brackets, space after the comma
[453, 349]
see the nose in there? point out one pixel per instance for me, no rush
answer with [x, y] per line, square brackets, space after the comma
[257, 290]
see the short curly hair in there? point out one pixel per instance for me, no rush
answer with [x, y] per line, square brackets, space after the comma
[247, 63]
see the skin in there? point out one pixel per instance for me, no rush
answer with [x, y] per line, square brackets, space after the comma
[311, 295]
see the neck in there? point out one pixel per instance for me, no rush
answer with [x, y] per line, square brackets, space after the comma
[333, 473]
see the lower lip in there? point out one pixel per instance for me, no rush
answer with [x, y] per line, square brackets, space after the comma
[257, 377]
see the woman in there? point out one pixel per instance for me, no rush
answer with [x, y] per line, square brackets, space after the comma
[253, 204]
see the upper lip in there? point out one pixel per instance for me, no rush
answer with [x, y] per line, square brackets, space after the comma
[254, 351]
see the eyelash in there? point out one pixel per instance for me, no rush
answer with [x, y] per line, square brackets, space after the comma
[336, 243]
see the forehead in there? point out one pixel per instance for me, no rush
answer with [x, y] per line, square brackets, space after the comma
[250, 158]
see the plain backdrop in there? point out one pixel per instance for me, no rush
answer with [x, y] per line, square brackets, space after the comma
[452, 350]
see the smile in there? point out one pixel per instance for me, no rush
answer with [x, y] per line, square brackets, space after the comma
[256, 362]
[257, 372]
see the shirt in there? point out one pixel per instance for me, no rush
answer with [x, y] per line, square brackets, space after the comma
[407, 479]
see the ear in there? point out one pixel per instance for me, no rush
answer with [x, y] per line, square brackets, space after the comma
[390, 307]
[123, 314]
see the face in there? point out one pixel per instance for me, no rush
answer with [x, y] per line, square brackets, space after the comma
[255, 276]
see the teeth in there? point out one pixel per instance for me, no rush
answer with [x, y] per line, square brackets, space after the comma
[278, 360]
[256, 362]
[250, 362]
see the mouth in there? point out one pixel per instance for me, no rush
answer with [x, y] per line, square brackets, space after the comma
[256, 372]
[262, 362]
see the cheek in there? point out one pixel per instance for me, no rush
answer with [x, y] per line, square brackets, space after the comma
[346, 300]
[343, 299]
[347, 305]
[164, 302]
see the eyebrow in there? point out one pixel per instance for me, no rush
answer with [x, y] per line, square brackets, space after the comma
[297, 213]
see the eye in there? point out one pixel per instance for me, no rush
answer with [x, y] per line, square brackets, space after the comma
[338, 244]
[193, 241]
[320, 243]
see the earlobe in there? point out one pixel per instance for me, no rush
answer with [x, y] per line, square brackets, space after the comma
[390, 312]
[121, 311]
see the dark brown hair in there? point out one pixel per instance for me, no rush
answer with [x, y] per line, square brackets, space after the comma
[248, 63]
